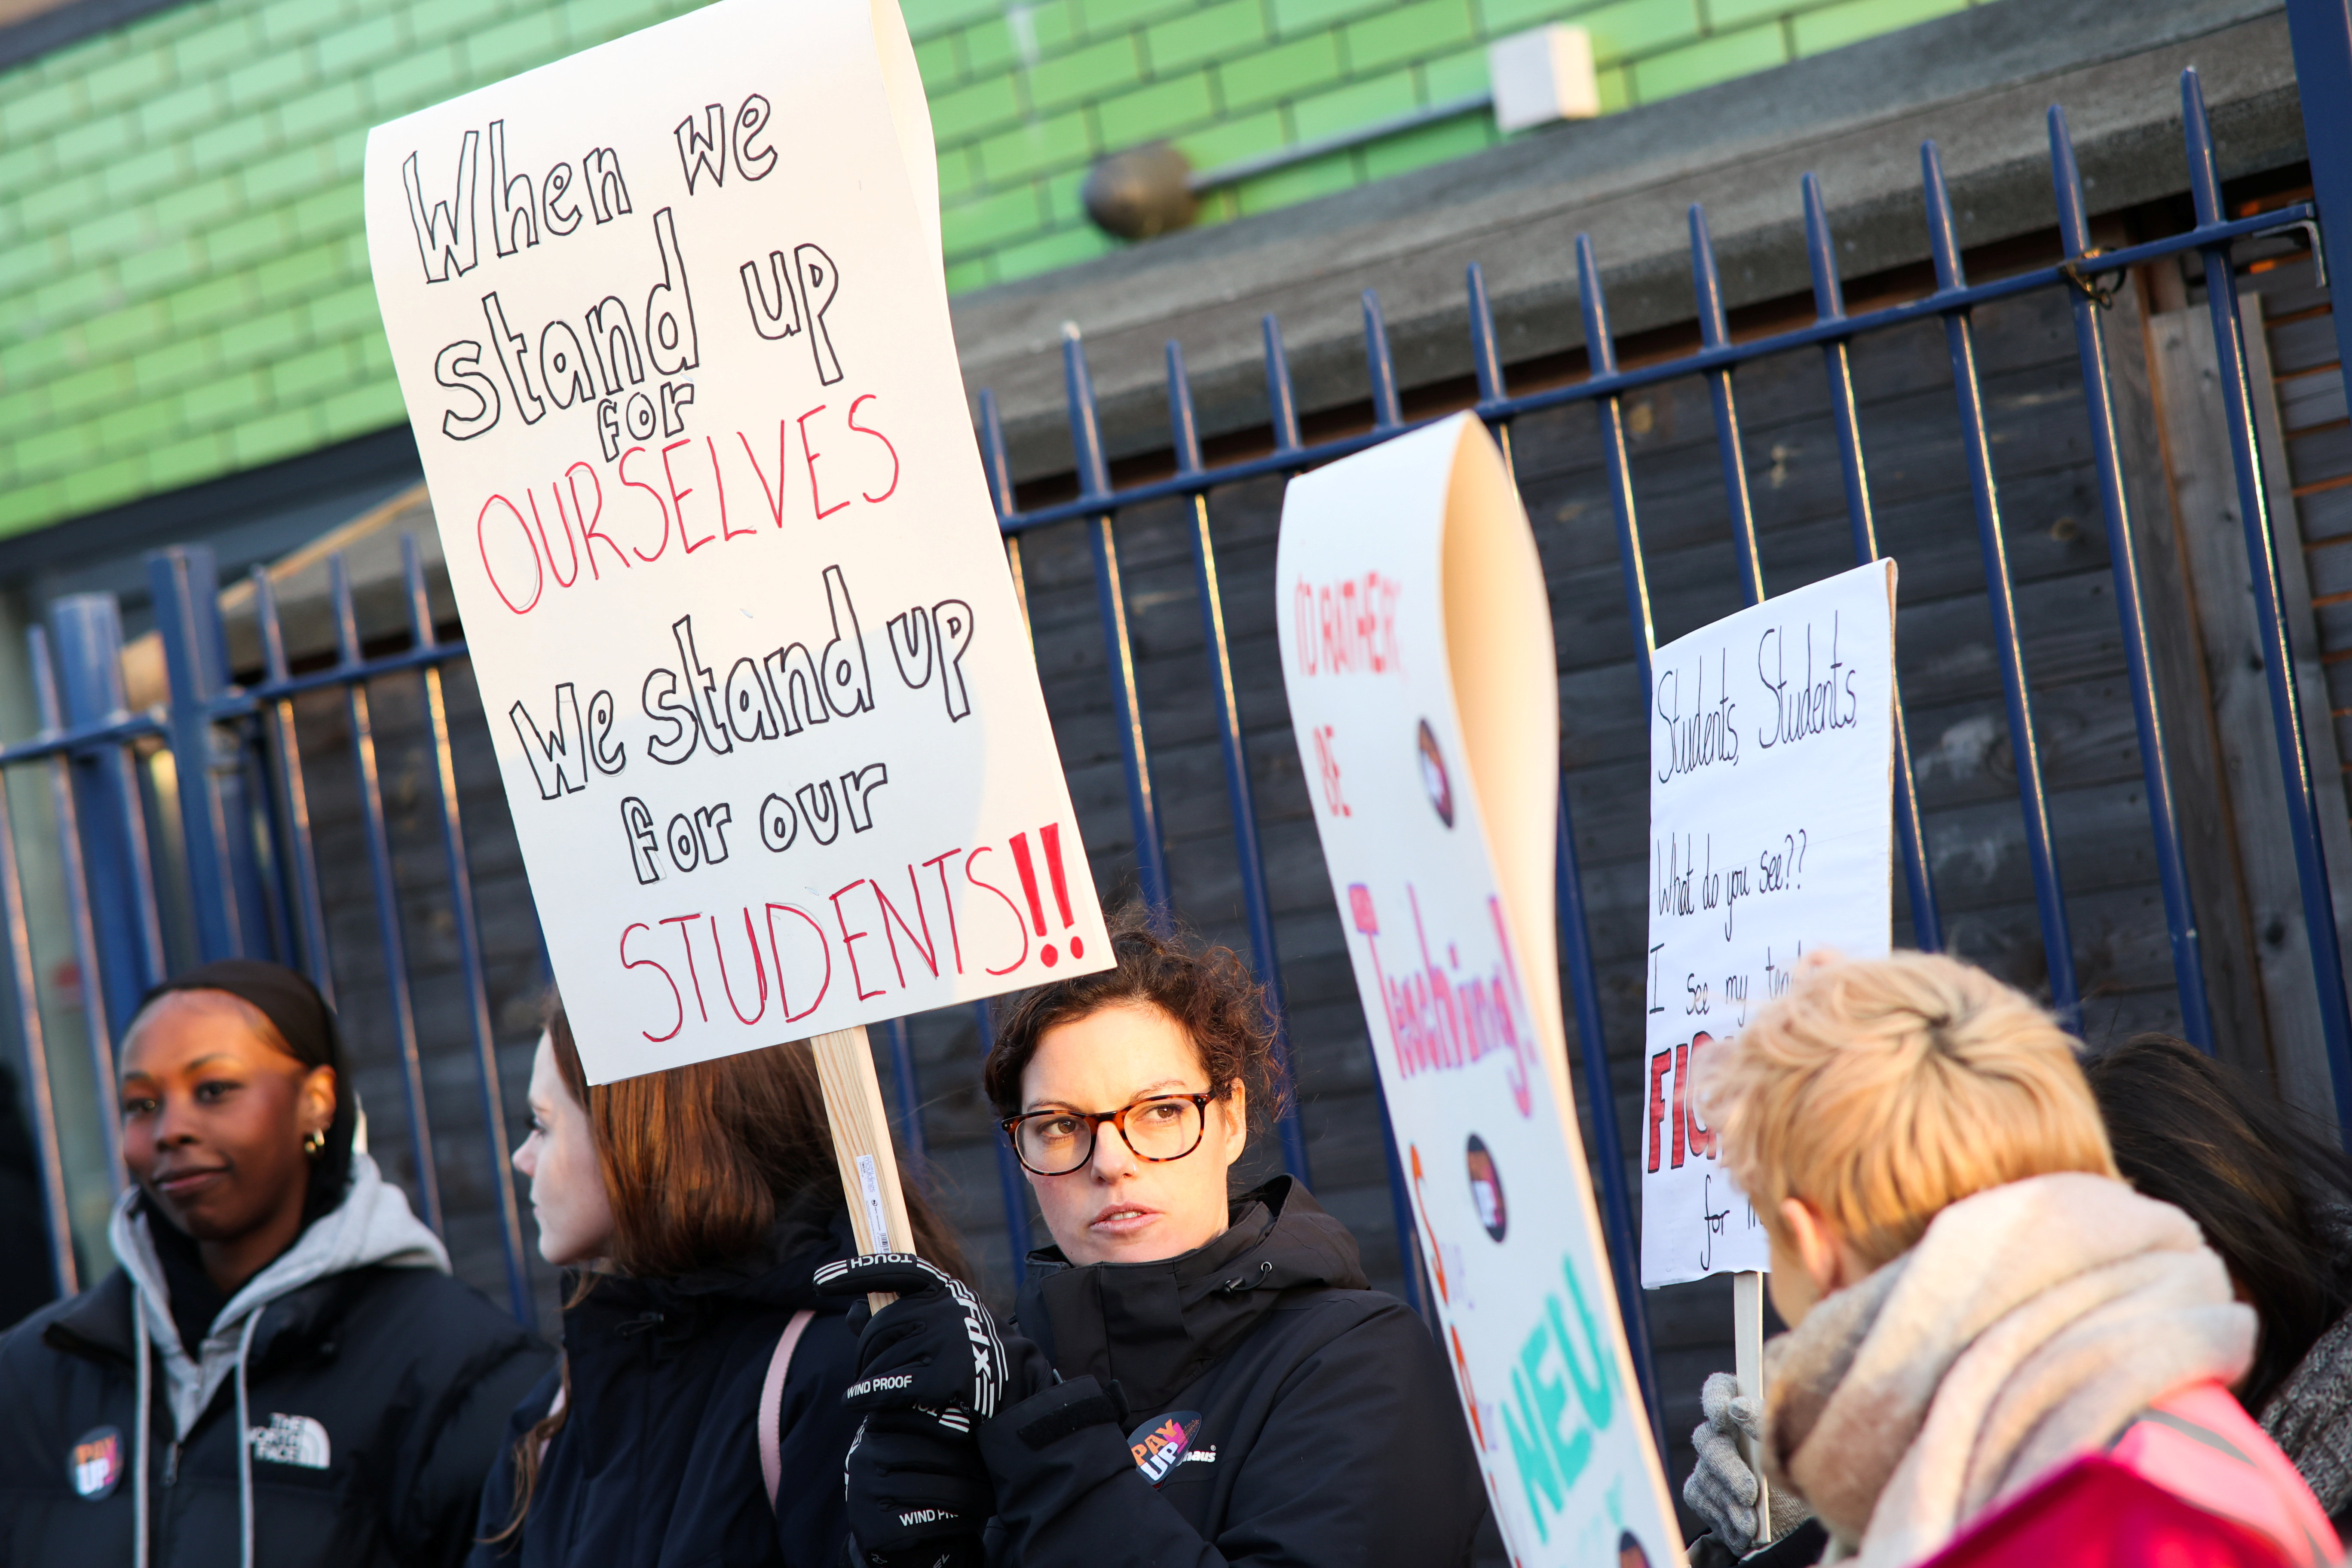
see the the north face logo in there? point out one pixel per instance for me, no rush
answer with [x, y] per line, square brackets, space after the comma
[291, 1440]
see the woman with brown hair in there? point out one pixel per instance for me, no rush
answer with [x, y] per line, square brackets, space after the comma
[696, 1416]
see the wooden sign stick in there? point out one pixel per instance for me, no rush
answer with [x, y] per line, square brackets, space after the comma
[861, 1143]
[1747, 1366]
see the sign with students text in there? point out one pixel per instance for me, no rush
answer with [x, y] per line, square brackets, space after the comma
[1772, 828]
[1417, 655]
[670, 324]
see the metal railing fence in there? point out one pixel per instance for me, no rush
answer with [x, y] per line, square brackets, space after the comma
[218, 771]
[1953, 303]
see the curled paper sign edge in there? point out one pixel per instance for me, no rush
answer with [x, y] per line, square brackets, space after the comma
[1516, 792]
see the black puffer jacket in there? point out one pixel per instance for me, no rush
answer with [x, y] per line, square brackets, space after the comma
[657, 1462]
[376, 1389]
[1251, 1402]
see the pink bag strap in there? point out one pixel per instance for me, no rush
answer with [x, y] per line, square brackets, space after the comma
[554, 1409]
[771, 1403]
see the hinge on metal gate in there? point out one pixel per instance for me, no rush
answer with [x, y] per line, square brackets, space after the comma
[2087, 283]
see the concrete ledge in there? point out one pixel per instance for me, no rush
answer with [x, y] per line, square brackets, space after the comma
[1978, 83]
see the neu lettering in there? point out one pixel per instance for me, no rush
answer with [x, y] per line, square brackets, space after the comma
[1551, 1437]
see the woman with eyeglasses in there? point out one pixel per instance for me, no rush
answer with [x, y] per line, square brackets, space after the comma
[1197, 1378]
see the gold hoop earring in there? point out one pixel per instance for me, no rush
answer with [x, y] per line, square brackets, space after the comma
[313, 1142]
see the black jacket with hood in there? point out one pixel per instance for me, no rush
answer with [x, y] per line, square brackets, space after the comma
[657, 1462]
[373, 1386]
[1250, 1402]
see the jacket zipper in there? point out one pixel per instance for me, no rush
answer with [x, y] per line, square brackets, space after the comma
[171, 1466]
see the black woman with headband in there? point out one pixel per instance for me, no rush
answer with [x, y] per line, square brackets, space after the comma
[282, 1369]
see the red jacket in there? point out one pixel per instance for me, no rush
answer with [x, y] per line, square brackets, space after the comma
[2193, 1483]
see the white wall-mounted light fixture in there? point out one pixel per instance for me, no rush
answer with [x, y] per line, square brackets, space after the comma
[1537, 78]
[1542, 74]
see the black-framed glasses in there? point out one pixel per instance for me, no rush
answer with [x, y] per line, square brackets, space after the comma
[1055, 1142]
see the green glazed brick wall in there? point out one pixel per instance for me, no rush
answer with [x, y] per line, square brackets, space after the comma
[183, 285]
[183, 278]
[1025, 96]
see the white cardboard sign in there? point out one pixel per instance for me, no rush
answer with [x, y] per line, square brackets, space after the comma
[1771, 825]
[1417, 653]
[670, 320]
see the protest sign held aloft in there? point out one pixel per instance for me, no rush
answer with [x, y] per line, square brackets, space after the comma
[1771, 835]
[1417, 655]
[670, 319]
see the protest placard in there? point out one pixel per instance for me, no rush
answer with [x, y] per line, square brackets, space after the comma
[670, 319]
[1771, 835]
[1417, 653]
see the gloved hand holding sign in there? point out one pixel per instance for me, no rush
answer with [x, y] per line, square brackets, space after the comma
[1722, 1489]
[919, 1492]
[934, 1348]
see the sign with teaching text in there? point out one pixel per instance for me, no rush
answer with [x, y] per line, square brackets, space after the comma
[1417, 655]
[1771, 835]
[670, 320]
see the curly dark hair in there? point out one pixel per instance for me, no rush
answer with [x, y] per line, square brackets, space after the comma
[1209, 991]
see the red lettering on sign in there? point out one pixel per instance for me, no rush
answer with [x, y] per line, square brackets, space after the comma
[1659, 1066]
[759, 969]
[775, 492]
[1348, 627]
[640, 484]
[849, 940]
[892, 488]
[677, 498]
[775, 952]
[539, 577]
[719, 478]
[628, 963]
[685, 924]
[1020, 926]
[1702, 1137]
[810, 453]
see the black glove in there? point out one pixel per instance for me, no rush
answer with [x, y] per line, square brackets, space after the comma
[918, 1489]
[935, 1347]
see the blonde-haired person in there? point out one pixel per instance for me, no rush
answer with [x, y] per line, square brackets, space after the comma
[1975, 1299]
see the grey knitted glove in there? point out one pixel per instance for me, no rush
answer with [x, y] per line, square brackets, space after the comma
[1722, 1489]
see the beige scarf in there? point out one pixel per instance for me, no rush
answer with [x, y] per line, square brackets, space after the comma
[2031, 1322]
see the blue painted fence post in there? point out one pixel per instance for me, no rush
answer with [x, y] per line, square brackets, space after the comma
[1580, 978]
[1011, 1186]
[2302, 788]
[185, 583]
[86, 631]
[2320, 33]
